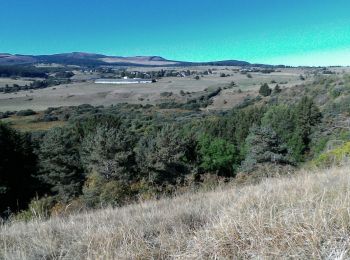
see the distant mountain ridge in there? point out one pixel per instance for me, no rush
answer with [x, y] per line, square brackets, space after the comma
[92, 59]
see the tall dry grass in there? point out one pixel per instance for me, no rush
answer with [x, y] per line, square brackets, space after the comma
[306, 216]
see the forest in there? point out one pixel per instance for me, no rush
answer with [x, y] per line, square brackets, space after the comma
[116, 155]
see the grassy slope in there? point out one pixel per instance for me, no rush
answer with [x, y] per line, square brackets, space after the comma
[302, 216]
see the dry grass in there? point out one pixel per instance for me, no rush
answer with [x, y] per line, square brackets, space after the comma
[30, 123]
[108, 94]
[306, 216]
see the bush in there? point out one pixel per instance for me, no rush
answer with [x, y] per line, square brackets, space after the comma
[277, 89]
[336, 92]
[100, 192]
[265, 90]
[334, 157]
[27, 112]
[166, 94]
[37, 209]
[217, 155]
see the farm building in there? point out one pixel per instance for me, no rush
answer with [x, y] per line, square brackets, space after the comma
[123, 81]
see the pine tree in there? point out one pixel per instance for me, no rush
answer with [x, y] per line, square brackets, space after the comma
[109, 152]
[264, 146]
[161, 156]
[265, 90]
[307, 116]
[17, 166]
[60, 164]
[277, 89]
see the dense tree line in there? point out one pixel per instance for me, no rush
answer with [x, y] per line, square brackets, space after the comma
[37, 84]
[22, 71]
[18, 167]
[111, 159]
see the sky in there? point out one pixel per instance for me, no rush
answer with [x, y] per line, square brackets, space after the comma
[290, 32]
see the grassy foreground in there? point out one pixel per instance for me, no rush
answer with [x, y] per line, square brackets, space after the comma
[303, 216]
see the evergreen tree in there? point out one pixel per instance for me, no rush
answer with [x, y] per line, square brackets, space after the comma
[265, 90]
[161, 156]
[281, 119]
[109, 152]
[264, 146]
[277, 89]
[307, 116]
[17, 167]
[60, 165]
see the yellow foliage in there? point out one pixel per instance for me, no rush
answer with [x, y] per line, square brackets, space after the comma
[334, 157]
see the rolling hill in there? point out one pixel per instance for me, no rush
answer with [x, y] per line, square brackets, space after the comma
[91, 59]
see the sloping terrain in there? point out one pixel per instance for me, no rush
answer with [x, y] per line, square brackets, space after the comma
[80, 58]
[91, 59]
[9, 59]
[304, 216]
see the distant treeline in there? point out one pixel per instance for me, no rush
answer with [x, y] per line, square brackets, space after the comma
[22, 71]
[37, 84]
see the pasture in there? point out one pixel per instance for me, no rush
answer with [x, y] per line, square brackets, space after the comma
[83, 90]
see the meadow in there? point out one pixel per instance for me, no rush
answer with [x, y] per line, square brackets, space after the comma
[83, 90]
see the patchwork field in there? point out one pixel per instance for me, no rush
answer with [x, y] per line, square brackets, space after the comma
[83, 90]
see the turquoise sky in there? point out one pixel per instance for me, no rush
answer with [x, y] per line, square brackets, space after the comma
[292, 32]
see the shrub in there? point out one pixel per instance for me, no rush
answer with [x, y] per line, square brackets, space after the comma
[27, 112]
[100, 192]
[37, 209]
[277, 89]
[166, 94]
[265, 90]
[336, 92]
[217, 155]
[334, 157]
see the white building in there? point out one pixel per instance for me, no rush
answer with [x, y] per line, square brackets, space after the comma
[123, 81]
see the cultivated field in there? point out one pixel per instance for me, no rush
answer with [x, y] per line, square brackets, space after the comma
[304, 216]
[88, 92]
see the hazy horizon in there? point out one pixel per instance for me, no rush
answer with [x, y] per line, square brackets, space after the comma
[297, 33]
